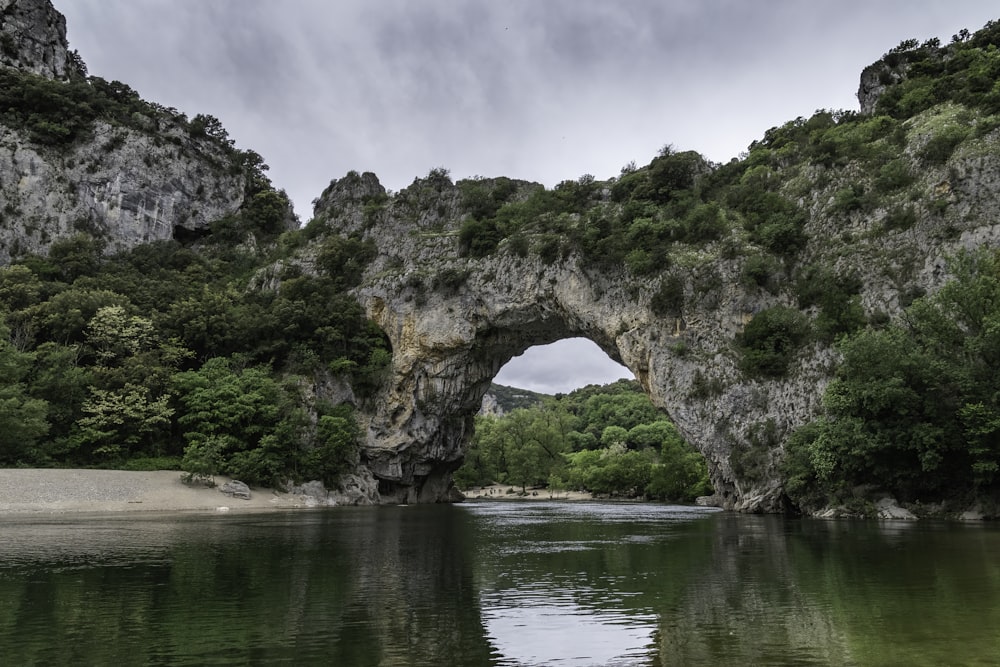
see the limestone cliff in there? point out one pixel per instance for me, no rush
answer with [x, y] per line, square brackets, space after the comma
[86, 155]
[120, 184]
[664, 268]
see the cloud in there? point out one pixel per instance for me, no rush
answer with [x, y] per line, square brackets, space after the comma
[561, 367]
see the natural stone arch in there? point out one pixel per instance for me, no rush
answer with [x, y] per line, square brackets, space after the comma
[448, 350]
[454, 321]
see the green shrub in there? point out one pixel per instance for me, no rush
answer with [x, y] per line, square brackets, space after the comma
[893, 176]
[837, 297]
[668, 300]
[773, 221]
[900, 218]
[770, 340]
[549, 248]
[344, 258]
[639, 262]
[761, 271]
[479, 238]
[940, 147]
[449, 280]
[849, 199]
[151, 463]
[704, 223]
[336, 448]
[518, 245]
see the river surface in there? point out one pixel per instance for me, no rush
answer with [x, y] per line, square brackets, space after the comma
[497, 583]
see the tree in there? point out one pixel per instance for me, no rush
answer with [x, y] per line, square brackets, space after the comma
[613, 436]
[115, 335]
[532, 447]
[22, 418]
[336, 447]
[770, 340]
[205, 125]
[58, 378]
[654, 435]
[64, 317]
[119, 422]
[240, 417]
[556, 443]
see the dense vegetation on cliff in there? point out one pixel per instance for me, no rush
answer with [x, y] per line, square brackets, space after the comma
[170, 355]
[912, 411]
[914, 407]
[680, 211]
[603, 439]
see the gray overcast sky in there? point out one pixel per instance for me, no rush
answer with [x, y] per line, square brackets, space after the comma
[544, 90]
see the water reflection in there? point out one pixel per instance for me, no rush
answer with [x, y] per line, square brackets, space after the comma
[366, 586]
[539, 631]
[573, 583]
[785, 592]
[745, 605]
[501, 583]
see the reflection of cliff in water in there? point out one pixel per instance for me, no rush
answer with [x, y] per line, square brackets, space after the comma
[498, 583]
[746, 605]
[419, 601]
[357, 586]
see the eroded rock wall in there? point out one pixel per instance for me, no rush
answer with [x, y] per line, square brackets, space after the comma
[454, 320]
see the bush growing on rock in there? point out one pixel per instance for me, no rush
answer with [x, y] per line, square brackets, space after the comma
[770, 341]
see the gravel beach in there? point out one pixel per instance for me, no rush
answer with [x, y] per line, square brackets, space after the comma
[48, 491]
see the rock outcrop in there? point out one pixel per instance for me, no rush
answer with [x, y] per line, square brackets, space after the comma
[454, 318]
[236, 489]
[33, 38]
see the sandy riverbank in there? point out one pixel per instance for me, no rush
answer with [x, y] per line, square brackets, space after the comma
[57, 491]
[64, 491]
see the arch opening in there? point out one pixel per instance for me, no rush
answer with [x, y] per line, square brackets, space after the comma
[566, 420]
[561, 367]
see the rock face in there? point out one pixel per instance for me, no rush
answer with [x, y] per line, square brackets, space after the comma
[454, 321]
[450, 341]
[874, 80]
[144, 178]
[490, 406]
[33, 38]
[122, 185]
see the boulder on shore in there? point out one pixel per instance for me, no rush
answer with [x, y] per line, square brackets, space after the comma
[236, 489]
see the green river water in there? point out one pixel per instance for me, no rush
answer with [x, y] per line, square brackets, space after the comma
[496, 583]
